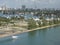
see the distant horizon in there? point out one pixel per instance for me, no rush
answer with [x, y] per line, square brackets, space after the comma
[39, 4]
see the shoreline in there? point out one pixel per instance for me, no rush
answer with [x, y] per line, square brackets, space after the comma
[19, 32]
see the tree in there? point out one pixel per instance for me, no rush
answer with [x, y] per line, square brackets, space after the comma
[39, 23]
[31, 24]
[21, 18]
[43, 20]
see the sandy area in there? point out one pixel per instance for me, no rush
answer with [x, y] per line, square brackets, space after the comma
[18, 32]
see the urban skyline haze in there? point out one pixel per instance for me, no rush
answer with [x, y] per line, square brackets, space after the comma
[31, 3]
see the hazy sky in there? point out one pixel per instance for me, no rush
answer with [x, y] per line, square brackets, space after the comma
[31, 3]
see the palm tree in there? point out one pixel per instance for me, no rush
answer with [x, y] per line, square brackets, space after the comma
[21, 18]
[31, 24]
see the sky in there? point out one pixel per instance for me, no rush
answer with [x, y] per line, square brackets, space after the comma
[31, 3]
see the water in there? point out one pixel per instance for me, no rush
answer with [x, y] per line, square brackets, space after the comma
[48, 36]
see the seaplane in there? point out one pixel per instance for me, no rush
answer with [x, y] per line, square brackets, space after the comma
[14, 37]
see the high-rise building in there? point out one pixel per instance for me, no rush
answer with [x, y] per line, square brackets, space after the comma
[23, 7]
[4, 7]
[0, 8]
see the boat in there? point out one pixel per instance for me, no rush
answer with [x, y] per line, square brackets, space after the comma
[14, 37]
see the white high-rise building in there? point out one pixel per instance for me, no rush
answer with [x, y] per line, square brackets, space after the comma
[0, 8]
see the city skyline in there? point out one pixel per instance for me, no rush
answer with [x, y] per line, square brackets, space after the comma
[31, 3]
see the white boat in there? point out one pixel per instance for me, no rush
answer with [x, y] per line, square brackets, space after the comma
[14, 37]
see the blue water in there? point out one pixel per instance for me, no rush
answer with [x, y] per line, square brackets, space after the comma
[47, 36]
